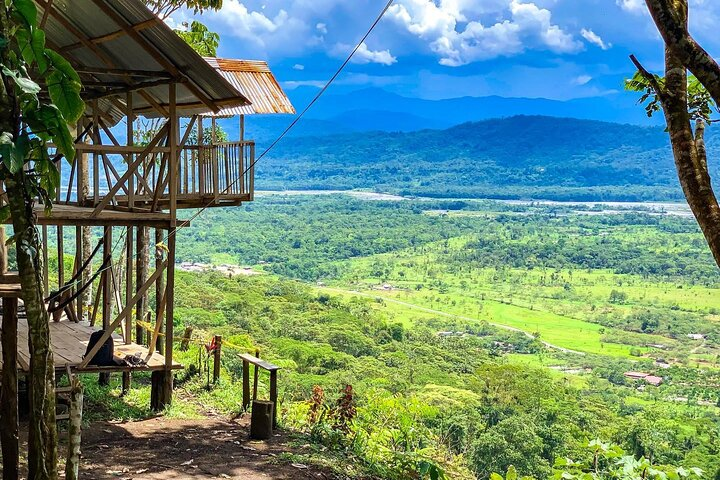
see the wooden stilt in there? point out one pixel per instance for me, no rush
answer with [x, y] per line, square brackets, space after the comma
[107, 294]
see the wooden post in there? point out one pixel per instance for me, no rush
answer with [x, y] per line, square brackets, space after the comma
[246, 385]
[173, 136]
[9, 392]
[141, 265]
[46, 273]
[261, 420]
[216, 358]
[107, 285]
[273, 395]
[129, 240]
[256, 373]
[159, 287]
[242, 128]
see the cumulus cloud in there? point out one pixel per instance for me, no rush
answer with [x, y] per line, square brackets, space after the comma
[364, 55]
[264, 30]
[634, 6]
[455, 32]
[298, 66]
[581, 80]
[595, 39]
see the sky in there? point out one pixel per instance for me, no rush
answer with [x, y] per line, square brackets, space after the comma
[434, 49]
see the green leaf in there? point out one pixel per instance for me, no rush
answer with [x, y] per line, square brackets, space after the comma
[27, 10]
[32, 47]
[65, 94]
[47, 120]
[495, 476]
[4, 213]
[59, 62]
[23, 83]
[512, 473]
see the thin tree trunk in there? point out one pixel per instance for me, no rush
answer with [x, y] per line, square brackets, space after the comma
[72, 466]
[42, 435]
[142, 267]
[9, 391]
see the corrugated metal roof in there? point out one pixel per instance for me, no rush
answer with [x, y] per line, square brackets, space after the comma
[119, 45]
[255, 81]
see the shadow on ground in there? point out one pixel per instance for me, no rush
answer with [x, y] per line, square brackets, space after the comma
[162, 448]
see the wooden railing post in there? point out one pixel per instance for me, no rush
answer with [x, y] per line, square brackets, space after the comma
[217, 353]
[246, 385]
[273, 395]
[256, 373]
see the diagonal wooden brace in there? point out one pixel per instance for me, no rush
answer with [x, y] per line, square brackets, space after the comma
[130, 305]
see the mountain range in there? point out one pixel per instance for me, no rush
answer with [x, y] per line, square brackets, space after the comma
[375, 109]
[514, 157]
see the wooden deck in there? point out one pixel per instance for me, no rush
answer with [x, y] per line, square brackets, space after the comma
[69, 342]
[74, 215]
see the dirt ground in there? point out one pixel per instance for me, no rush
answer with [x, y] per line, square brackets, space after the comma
[212, 447]
[164, 449]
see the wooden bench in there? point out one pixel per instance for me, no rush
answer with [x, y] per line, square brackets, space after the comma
[258, 363]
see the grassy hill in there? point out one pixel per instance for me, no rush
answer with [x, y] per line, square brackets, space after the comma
[517, 157]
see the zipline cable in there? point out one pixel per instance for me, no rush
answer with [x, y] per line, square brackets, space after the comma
[290, 126]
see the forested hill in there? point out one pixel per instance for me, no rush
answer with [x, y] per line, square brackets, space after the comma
[517, 157]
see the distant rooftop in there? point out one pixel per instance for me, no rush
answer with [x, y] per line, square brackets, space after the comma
[256, 82]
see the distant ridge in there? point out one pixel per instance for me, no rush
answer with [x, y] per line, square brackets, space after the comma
[515, 157]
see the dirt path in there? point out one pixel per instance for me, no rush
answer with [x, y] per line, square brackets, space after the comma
[450, 315]
[165, 449]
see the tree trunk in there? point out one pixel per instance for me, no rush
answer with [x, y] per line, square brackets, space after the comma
[42, 435]
[72, 466]
[9, 391]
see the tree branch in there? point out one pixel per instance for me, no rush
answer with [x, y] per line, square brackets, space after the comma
[673, 29]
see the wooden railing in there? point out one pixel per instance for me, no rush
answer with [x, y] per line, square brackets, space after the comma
[208, 175]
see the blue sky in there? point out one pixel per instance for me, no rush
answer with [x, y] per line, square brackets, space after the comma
[558, 49]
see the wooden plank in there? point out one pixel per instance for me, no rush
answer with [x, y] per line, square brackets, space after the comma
[246, 357]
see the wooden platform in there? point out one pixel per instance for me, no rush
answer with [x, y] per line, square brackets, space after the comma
[74, 215]
[69, 342]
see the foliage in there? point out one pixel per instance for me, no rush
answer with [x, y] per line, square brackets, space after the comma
[701, 105]
[202, 40]
[610, 462]
[165, 8]
[28, 61]
[509, 158]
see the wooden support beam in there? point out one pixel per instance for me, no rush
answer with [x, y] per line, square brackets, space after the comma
[113, 35]
[145, 44]
[173, 135]
[130, 171]
[131, 304]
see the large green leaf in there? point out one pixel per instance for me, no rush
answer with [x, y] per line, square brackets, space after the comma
[32, 47]
[59, 62]
[27, 10]
[65, 94]
[49, 121]
[25, 84]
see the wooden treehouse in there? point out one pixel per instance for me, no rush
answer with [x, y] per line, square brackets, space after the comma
[133, 65]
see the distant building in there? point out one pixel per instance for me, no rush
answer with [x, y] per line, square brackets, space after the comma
[650, 379]
[696, 336]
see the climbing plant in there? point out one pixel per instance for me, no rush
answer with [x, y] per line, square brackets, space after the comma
[39, 97]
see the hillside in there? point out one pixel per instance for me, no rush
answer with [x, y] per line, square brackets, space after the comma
[517, 157]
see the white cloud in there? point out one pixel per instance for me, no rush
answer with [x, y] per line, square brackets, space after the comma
[595, 39]
[266, 31]
[293, 84]
[455, 32]
[582, 80]
[634, 6]
[364, 55]
[298, 66]
[322, 28]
